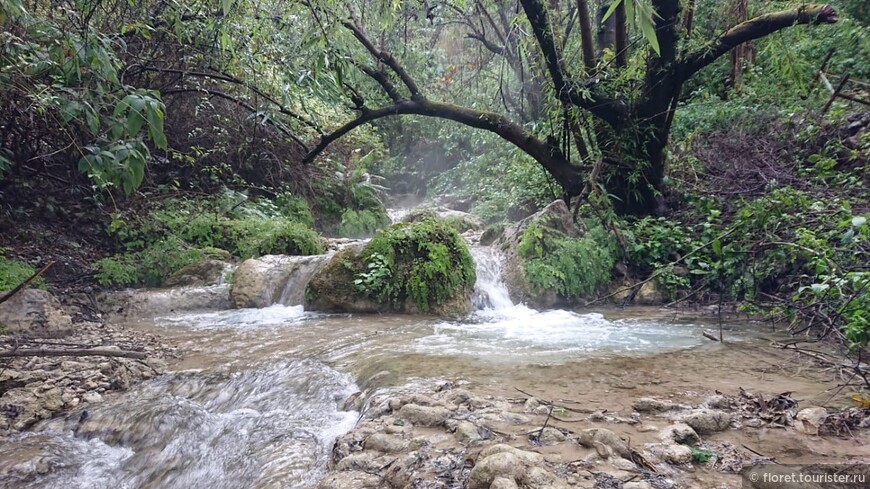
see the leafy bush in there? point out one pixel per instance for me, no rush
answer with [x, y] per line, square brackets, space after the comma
[14, 272]
[573, 267]
[184, 231]
[425, 261]
[149, 267]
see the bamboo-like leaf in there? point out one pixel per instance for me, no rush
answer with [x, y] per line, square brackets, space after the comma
[611, 9]
[648, 28]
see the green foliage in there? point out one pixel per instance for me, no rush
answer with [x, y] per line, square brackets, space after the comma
[69, 82]
[521, 188]
[295, 208]
[14, 272]
[425, 261]
[183, 231]
[786, 242]
[362, 223]
[573, 267]
[149, 266]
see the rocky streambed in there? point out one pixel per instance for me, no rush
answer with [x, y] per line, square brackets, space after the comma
[44, 381]
[455, 437]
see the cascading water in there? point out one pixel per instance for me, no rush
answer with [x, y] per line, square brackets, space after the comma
[258, 427]
[490, 292]
[256, 402]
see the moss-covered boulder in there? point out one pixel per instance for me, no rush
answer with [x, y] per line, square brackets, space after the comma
[550, 262]
[200, 273]
[417, 267]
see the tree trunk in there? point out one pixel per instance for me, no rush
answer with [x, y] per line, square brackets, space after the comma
[636, 168]
[606, 30]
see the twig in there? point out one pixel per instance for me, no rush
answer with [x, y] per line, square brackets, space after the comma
[710, 336]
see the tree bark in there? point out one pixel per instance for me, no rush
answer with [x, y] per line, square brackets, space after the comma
[589, 59]
[621, 35]
[757, 28]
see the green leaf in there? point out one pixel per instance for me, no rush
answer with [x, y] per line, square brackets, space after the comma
[610, 10]
[717, 247]
[647, 25]
[135, 121]
[226, 5]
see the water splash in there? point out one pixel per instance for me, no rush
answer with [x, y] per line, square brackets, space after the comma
[265, 427]
[490, 291]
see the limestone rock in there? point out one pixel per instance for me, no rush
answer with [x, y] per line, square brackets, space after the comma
[706, 421]
[264, 281]
[650, 294]
[350, 480]
[680, 433]
[809, 420]
[467, 432]
[678, 454]
[503, 465]
[155, 302]
[503, 483]
[35, 313]
[331, 289]
[603, 437]
[423, 415]
[650, 405]
[385, 443]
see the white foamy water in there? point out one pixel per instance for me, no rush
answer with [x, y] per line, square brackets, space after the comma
[274, 315]
[555, 333]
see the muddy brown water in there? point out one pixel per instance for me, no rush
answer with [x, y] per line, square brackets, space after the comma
[257, 401]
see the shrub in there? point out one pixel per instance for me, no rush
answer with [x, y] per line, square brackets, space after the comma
[149, 267]
[573, 267]
[14, 272]
[425, 261]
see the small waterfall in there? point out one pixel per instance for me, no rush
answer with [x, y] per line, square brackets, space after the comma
[293, 293]
[490, 291]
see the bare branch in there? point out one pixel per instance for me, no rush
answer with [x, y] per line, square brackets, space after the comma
[231, 79]
[241, 103]
[384, 57]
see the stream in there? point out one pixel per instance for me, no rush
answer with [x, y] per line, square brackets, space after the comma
[259, 397]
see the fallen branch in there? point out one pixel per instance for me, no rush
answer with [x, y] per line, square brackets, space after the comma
[86, 352]
[710, 336]
[27, 282]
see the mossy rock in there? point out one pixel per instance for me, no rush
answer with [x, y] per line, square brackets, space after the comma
[418, 267]
[332, 288]
[550, 262]
[203, 272]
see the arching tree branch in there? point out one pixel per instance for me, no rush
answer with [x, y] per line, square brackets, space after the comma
[757, 28]
[570, 177]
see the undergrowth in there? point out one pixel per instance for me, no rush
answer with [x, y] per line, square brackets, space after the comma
[184, 231]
